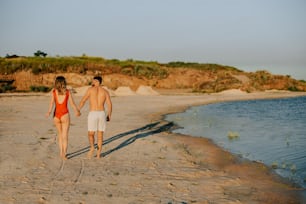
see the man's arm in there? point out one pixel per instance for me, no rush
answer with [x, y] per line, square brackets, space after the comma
[109, 105]
[83, 100]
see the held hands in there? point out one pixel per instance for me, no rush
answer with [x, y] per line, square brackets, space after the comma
[77, 113]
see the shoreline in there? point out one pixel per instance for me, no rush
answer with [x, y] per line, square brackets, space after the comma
[240, 160]
[164, 115]
[142, 161]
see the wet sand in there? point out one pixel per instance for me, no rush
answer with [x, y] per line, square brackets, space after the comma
[142, 161]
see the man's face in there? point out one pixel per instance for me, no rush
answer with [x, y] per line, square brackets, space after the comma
[95, 82]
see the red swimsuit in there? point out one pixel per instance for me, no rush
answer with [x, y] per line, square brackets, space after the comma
[60, 108]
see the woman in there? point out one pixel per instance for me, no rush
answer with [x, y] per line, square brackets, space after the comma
[60, 97]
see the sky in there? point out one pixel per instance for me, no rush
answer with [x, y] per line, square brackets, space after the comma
[250, 35]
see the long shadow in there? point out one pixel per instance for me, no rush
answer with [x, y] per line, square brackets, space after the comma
[129, 141]
[116, 137]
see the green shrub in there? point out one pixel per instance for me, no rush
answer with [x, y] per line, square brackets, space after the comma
[39, 89]
[293, 88]
[6, 88]
[36, 70]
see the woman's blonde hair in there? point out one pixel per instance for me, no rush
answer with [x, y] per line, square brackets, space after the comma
[60, 85]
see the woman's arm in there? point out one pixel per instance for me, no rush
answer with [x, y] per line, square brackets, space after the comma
[50, 104]
[72, 103]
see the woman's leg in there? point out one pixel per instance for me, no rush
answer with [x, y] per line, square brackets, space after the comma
[58, 126]
[65, 120]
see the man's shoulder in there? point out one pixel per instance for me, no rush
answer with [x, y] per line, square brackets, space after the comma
[94, 89]
[90, 88]
[104, 89]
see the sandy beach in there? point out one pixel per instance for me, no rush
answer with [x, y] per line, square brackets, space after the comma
[142, 161]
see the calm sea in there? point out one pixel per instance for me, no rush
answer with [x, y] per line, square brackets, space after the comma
[269, 131]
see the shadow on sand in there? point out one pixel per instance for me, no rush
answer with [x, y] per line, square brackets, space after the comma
[145, 131]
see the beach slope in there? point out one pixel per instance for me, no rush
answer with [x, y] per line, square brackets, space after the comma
[143, 162]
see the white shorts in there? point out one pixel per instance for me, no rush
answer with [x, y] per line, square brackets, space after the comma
[96, 121]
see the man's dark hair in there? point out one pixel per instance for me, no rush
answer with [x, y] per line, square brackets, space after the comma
[98, 78]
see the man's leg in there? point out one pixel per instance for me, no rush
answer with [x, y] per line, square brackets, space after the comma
[91, 139]
[100, 141]
[92, 126]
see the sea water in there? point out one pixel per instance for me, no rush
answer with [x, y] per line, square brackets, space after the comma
[270, 131]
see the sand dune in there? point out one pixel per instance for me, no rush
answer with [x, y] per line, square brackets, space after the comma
[124, 91]
[233, 92]
[146, 91]
[121, 91]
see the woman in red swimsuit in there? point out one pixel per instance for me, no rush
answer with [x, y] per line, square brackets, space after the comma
[60, 97]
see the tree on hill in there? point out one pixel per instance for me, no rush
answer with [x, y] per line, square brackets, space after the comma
[39, 53]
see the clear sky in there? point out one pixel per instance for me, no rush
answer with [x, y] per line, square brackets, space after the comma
[248, 34]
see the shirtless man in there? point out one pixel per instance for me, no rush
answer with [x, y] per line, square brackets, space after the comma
[97, 118]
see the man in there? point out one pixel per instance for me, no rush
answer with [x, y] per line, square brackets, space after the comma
[97, 118]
